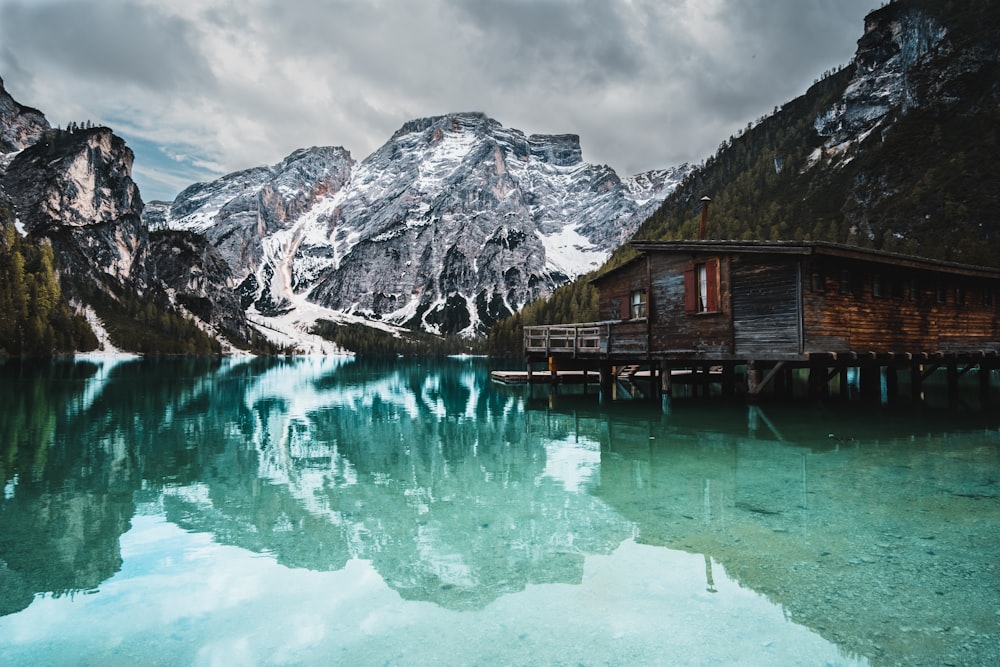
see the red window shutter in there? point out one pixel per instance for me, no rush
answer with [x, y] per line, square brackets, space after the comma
[690, 290]
[712, 280]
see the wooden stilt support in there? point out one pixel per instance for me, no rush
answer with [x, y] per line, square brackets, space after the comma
[984, 383]
[953, 376]
[666, 381]
[871, 389]
[753, 381]
[891, 384]
[755, 385]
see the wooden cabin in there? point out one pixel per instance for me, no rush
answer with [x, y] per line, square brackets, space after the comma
[774, 305]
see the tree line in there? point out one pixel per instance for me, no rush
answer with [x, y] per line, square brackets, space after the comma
[35, 318]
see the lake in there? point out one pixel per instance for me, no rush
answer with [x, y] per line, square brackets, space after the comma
[338, 511]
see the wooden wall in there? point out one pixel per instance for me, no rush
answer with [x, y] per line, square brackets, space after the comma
[675, 329]
[769, 305]
[907, 316]
[766, 305]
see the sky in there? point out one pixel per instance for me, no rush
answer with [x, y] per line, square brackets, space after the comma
[202, 88]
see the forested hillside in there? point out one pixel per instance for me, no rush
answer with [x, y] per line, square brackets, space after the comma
[35, 319]
[921, 180]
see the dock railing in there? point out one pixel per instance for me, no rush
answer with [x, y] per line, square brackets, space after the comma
[565, 339]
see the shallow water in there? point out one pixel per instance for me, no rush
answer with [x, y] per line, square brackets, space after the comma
[322, 511]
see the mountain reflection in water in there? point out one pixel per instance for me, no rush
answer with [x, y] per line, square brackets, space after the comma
[875, 529]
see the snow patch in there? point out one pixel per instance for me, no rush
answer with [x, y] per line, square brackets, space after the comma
[570, 252]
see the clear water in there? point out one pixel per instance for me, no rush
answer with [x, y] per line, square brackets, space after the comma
[328, 511]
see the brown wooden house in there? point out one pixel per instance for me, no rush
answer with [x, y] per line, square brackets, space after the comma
[770, 306]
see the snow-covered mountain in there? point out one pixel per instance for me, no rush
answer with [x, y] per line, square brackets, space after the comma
[454, 223]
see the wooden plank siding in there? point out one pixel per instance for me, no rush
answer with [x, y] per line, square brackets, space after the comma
[675, 329]
[870, 307]
[766, 306]
[790, 301]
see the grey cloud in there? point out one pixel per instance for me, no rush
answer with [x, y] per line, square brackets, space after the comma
[645, 83]
[114, 42]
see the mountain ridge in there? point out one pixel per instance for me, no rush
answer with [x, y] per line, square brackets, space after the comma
[453, 223]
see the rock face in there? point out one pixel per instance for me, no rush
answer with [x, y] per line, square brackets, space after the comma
[885, 84]
[196, 277]
[20, 126]
[455, 222]
[75, 191]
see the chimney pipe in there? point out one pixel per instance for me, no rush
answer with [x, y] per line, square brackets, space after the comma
[703, 225]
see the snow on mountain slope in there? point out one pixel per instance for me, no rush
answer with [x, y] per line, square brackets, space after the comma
[454, 223]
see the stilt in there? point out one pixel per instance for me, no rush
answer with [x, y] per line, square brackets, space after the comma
[891, 384]
[952, 383]
[753, 381]
[845, 385]
[666, 381]
[916, 381]
[984, 383]
[871, 385]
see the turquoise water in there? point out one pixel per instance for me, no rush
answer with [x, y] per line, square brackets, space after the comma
[331, 511]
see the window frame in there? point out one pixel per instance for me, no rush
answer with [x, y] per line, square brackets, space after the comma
[638, 304]
[702, 287]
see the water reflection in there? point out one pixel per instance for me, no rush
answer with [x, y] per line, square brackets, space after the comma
[458, 493]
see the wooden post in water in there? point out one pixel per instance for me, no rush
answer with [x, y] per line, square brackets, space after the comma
[871, 374]
[666, 381]
[952, 383]
[891, 384]
[753, 381]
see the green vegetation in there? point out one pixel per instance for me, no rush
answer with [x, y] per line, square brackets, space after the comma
[147, 325]
[370, 342]
[35, 319]
[575, 302]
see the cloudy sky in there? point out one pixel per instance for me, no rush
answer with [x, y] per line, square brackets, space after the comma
[200, 88]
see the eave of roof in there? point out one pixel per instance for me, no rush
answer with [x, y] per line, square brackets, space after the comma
[814, 248]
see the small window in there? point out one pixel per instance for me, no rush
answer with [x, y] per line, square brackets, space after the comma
[988, 297]
[942, 294]
[638, 304]
[897, 289]
[959, 296]
[845, 281]
[914, 290]
[701, 287]
[817, 281]
[877, 290]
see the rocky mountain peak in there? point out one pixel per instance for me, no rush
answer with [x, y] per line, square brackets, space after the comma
[454, 222]
[74, 179]
[896, 39]
[20, 126]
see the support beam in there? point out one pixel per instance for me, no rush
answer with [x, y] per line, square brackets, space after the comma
[755, 385]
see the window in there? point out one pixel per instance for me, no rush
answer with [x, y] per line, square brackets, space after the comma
[877, 289]
[845, 281]
[942, 293]
[817, 281]
[914, 290]
[701, 287]
[960, 296]
[638, 310]
[988, 297]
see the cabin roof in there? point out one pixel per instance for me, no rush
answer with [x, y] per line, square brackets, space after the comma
[803, 248]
